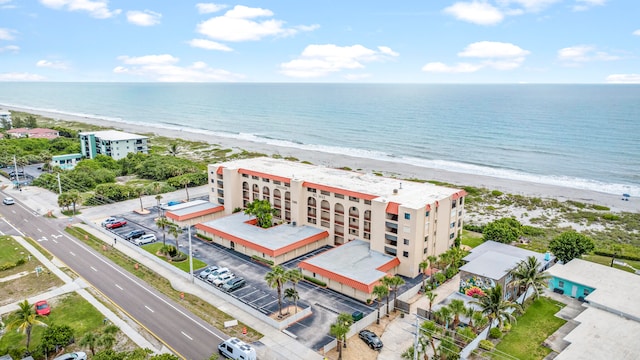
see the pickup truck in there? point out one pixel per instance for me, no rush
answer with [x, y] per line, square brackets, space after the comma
[116, 224]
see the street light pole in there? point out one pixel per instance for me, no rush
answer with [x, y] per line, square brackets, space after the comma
[190, 256]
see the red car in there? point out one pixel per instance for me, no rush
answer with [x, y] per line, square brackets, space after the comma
[42, 308]
[116, 224]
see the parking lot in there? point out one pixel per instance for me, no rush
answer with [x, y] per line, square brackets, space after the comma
[325, 304]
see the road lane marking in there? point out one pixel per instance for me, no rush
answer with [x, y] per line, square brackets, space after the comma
[55, 236]
[187, 336]
[55, 241]
[94, 269]
[39, 229]
[119, 287]
[148, 308]
[71, 252]
[25, 220]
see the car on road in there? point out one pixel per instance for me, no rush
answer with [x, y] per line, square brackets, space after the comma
[215, 274]
[8, 201]
[223, 279]
[134, 234]
[204, 273]
[371, 339]
[42, 308]
[116, 224]
[109, 220]
[78, 355]
[145, 239]
[234, 284]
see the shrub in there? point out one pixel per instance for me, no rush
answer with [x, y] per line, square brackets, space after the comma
[611, 217]
[262, 260]
[473, 227]
[496, 193]
[20, 261]
[204, 237]
[600, 207]
[315, 281]
[486, 345]
[506, 327]
[495, 333]
[179, 257]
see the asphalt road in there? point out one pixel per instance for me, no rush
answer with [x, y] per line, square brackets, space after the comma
[183, 332]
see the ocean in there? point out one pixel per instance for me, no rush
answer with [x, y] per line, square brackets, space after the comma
[580, 136]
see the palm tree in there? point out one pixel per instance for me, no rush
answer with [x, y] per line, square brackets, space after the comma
[528, 274]
[89, 340]
[386, 281]
[295, 276]
[347, 320]
[380, 291]
[158, 198]
[432, 260]
[74, 198]
[429, 329]
[423, 266]
[443, 316]
[140, 190]
[185, 181]
[457, 308]
[339, 330]
[276, 278]
[431, 296]
[395, 282]
[495, 307]
[173, 149]
[25, 320]
[163, 224]
[63, 200]
[175, 231]
[469, 314]
[292, 295]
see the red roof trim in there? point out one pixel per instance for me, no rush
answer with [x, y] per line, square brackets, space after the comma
[196, 214]
[392, 208]
[428, 207]
[368, 288]
[390, 265]
[219, 170]
[235, 239]
[301, 243]
[264, 175]
[336, 190]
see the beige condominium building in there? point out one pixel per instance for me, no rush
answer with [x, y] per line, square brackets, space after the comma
[397, 219]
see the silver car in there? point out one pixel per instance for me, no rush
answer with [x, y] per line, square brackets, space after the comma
[8, 201]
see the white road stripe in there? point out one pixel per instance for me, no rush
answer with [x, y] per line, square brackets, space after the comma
[119, 287]
[94, 269]
[39, 229]
[185, 335]
[148, 308]
[71, 252]
[55, 241]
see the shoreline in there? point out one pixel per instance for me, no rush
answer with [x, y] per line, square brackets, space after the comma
[388, 168]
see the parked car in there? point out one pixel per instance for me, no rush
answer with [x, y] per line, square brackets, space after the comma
[42, 308]
[8, 201]
[217, 273]
[78, 355]
[145, 239]
[223, 279]
[234, 284]
[371, 339]
[109, 220]
[134, 234]
[116, 224]
[204, 273]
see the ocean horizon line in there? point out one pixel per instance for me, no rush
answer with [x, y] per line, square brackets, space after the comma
[440, 164]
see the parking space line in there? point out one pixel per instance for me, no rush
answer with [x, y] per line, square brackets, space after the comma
[253, 292]
[259, 299]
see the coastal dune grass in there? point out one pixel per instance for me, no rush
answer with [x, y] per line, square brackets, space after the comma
[525, 339]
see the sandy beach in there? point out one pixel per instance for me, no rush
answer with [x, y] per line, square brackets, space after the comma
[388, 168]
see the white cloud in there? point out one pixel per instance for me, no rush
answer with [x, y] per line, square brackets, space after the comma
[322, 60]
[144, 18]
[6, 34]
[624, 79]
[20, 77]
[10, 48]
[208, 8]
[582, 5]
[52, 64]
[475, 12]
[98, 9]
[438, 67]
[240, 24]
[583, 53]
[530, 5]
[637, 32]
[208, 45]
[490, 54]
[164, 68]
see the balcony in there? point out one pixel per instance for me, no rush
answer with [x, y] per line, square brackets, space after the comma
[311, 213]
[390, 237]
[326, 208]
[338, 221]
[390, 251]
[338, 212]
[392, 243]
[392, 217]
[391, 230]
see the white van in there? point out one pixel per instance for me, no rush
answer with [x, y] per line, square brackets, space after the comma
[237, 349]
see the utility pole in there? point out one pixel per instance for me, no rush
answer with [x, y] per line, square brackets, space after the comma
[59, 185]
[15, 166]
[415, 340]
[190, 256]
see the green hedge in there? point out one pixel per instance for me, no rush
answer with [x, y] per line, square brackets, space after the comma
[204, 237]
[315, 281]
[262, 260]
[486, 345]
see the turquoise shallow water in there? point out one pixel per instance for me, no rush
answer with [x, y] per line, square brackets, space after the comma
[583, 136]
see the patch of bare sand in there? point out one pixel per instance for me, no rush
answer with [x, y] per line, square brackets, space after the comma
[286, 312]
[356, 348]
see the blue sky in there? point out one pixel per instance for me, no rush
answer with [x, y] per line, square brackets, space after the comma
[425, 41]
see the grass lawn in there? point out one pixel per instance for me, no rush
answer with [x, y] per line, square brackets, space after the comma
[605, 260]
[538, 322]
[471, 239]
[70, 309]
[182, 265]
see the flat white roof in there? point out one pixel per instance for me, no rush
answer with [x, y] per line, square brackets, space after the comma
[114, 135]
[409, 194]
[493, 259]
[353, 260]
[602, 335]
[191, 207]
[614, 289]
[273, 238]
